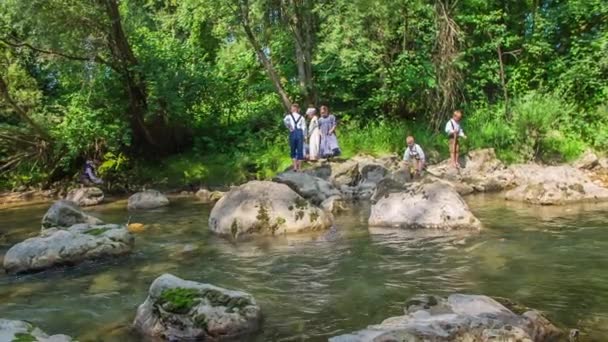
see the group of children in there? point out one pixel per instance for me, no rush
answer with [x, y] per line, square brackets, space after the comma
[414, 158]
[313, 142]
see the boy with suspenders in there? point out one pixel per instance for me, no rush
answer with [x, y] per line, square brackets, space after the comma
[297, 131]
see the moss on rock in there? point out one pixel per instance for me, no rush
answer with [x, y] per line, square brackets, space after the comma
[179, 300]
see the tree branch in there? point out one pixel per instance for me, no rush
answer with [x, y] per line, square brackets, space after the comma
[96, 58]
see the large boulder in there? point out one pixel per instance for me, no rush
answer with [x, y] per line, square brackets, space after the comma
[460, 317]
[63, 214]
[85, 196]
[261, 207]
[423, 205]
[554, 185]
[312, 188]
[480, 171]
[148, 199]
[55, 247]
[21, 331]
[178, 309]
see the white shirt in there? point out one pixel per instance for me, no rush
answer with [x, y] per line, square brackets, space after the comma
[412, 152]
[454, 127]
[290, 122]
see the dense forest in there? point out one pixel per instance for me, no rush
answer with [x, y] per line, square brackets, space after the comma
[190, 91]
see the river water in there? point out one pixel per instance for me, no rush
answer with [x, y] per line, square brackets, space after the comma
[311, 288]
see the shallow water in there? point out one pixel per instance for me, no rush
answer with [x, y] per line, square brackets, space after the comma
[551, 259]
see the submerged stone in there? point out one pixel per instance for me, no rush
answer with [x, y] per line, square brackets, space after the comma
[178, 309]
[459, 317]
[21, 331]
[148, 199]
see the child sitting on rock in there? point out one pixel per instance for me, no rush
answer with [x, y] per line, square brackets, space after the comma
[413, 158]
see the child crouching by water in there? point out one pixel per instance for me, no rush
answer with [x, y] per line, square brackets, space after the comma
[297, 131]
[413, 158]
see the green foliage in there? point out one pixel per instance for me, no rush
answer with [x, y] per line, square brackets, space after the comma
[185, 79]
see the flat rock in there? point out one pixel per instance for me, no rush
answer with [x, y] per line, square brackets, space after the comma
[178, 309]
[423, 205]
[312, 188]
[460, 317]
[56, 247]
[554, 185]
[63, 214]
[148, 199]
[21, 331]
[481, 171]
[261, 207]
[85, 196]
[207, 197]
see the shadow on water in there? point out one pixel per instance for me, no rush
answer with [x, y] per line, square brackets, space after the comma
[311, 287]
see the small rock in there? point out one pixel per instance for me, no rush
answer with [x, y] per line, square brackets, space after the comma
[18, 331]
[587, 161]
[149, 199]
[85, 196]
[63, 214]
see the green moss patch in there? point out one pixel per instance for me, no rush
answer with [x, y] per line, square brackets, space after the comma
[179, 300]
[24, 337]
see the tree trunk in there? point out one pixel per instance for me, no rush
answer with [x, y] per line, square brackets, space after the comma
[133, 79]
[503, 81]
[302, 22]
[266, 63]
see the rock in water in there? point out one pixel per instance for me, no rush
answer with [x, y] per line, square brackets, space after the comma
[178, 309]
[554, 185]
[148, 199]
[23, 331]
[334, 204]
[85, 196]
[63, 214]
[458, 318]
[261, 207]
[55, 247]
[423, 205]
[312, 188]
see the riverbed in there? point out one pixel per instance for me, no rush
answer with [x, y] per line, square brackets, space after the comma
[553, 259]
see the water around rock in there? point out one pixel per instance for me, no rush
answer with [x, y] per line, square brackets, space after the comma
[460, 317]
[148, 199]
[21, 331]
[423, 205]
[178, 309]
[55, 247]
[63, 214]
[267, 208]
[85, 196]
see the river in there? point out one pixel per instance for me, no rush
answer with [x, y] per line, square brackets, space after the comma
[554, 259]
